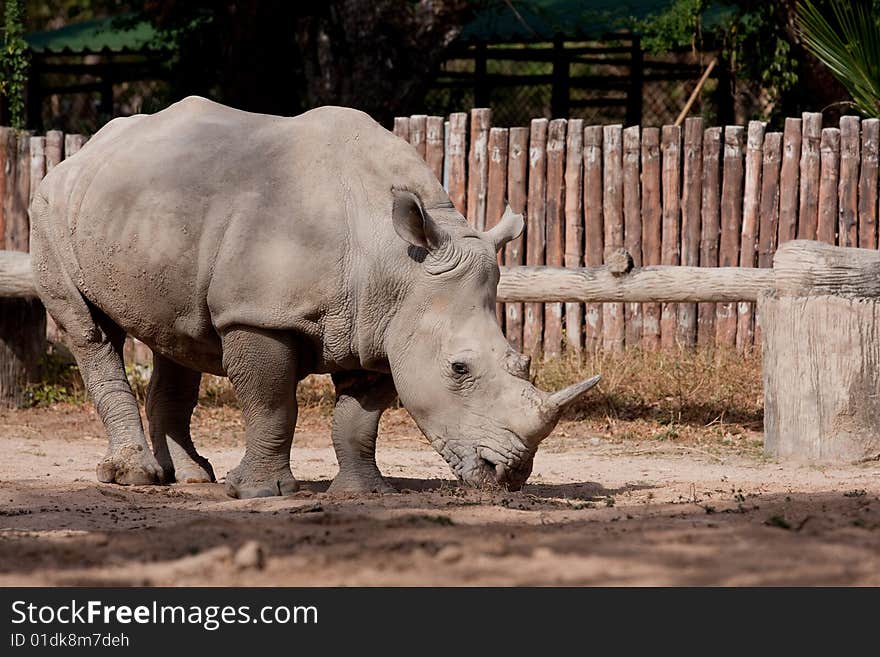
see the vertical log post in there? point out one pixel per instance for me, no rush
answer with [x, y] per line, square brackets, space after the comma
[651, 228]
[418, 126]
[401, 127]
[496, 193]
[788, 180]
[731, 227]
[434, 145]
[632, 225]
[691, 200]
[533, 322]
[848, 186]
[574, 227]
[514, 252]
[22, 321]
[829, 174]
[808, 209]
[456, 161]
[613, 328]
[670, 146]
[555, 227]
[594, 229]
[711, 227]
[54, 149]
[745, 331]
[769, 211]
[478, 167]
[868, 184]
[821, 353]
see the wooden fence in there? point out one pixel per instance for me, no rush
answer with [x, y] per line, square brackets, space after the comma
[695, 196]
[692, 196]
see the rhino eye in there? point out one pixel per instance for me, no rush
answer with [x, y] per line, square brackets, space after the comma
[460, 368]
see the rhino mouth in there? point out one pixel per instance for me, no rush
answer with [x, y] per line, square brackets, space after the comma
[485, 465]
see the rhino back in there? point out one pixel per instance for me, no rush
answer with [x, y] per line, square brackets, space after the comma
[200, 217]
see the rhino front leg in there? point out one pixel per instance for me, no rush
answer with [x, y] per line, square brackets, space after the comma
[361, 397]
[171, 398]
[262, 366]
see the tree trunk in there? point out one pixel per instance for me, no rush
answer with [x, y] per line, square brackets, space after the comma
[22, 344]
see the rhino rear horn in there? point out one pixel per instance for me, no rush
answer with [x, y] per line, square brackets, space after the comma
[509, 228]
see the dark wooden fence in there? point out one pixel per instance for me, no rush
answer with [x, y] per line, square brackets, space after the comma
[691, 195]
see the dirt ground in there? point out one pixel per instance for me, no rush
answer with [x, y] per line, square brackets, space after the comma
[600, 509]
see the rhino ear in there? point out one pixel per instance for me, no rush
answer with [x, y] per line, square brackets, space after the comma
[413, 223]
[509, 228]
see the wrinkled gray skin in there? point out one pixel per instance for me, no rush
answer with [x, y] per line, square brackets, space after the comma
[265, 249]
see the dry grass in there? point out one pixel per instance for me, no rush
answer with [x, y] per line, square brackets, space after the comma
[691, 387]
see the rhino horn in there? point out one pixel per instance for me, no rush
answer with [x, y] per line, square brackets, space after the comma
[555, 403]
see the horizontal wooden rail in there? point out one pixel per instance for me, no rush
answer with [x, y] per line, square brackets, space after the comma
[642, 284]
[15, 275]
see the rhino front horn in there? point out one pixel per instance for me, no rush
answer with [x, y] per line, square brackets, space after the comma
[557, 402]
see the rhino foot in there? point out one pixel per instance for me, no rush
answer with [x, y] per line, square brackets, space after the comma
[360, 485]
[244, 484]
[130, 465]
[195, 471]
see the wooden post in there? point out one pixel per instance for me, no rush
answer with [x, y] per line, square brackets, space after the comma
[401, 127]
[72, 144]
[434, 145]
[632, 225]
[745, 331]
[533, 322]
[574, 227]
[478, 167]
[38, 167]
[691, 200]
[789, 180]
[496, 194]
[670, 146]
[594, 229]
[848, 191]
[555, 229]
[7, 136]
[651, 228]
[17, 197]
[820, 354]
[517, 172]
[711, 227]
[731, 226]
[418, 127]
[613, 328]
[769, 210]
[868, 184]
[808, 210]
[54, 149]
[22, 320]
[456, 162]
[829, 173]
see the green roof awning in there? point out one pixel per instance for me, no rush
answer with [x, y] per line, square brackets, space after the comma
[540, 20]
[116, 34]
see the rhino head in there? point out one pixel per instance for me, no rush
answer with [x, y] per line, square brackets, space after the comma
[465, 387]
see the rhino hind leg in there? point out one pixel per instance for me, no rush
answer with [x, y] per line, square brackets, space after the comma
[361, 397]
[262, 366]
[96, 343]
[171, 397]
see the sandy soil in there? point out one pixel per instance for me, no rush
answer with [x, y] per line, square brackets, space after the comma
[597, 511]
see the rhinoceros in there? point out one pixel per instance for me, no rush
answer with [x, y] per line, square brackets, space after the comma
[264, 249]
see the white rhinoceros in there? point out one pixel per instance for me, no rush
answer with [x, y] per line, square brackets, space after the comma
[266, 248]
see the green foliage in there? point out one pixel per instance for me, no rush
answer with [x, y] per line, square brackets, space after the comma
[679, 26]
[848, 43]
[61, 384]
[14, 62]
